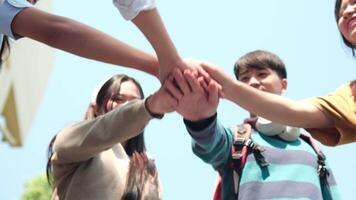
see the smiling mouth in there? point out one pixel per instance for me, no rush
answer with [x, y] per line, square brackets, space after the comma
[352, 23]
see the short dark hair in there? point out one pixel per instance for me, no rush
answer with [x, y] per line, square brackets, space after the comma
[337, 17]
[260, 59]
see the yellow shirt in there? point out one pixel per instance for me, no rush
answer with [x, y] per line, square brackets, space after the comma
[341, 107]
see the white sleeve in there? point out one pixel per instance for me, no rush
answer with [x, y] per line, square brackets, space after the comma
[129, 9]
[8, 10]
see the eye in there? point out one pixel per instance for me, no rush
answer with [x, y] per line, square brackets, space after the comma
[262, 74]
[118, 99]
[244, 79]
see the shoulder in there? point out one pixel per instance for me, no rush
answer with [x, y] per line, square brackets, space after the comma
[8, 10]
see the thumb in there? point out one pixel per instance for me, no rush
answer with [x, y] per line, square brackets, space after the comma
[213, 93]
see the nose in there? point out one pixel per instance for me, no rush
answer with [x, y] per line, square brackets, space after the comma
[254, 82]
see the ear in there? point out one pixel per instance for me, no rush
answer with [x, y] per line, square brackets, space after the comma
[284, 84]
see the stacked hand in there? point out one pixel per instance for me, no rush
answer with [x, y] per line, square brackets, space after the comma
[197, 99]
[191, 90]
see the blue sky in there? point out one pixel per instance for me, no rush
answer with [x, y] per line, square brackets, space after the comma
[303, 33]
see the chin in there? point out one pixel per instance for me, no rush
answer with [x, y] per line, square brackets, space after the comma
[352, 37]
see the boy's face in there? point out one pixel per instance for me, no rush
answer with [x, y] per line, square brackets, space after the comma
[263, 79]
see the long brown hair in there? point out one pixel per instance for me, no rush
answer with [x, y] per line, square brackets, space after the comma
[110, 88]
[142, 180]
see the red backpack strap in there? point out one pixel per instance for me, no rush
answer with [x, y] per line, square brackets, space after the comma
[241, 145]
[241, 137]
[218, 189]
[240, 134]
[240, 142]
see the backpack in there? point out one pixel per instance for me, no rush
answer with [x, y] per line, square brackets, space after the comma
[242, 145]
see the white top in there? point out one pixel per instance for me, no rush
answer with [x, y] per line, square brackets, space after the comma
[8, 10]
[129, 9]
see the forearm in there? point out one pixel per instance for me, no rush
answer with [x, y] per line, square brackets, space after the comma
[211, 142]
[81, 40]
[88, 138]
[275, 107]
[151, 25]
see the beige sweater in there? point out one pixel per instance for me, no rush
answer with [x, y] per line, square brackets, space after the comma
[89, 162]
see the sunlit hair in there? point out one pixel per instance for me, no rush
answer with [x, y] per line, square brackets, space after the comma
[109, 89]
[337, 17]
[142, 182]
[260, 59]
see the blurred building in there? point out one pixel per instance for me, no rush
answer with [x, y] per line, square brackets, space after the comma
[23, 80]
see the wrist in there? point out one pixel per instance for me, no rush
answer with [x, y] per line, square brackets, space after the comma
[201, 124]
[150, 108]
[199, 118]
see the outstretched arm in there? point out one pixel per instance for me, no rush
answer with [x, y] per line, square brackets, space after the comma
[82, 40]
[151, 25]
[273, 107]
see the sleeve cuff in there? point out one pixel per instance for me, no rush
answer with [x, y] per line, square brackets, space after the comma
[153, 115]
[200, 125]
[129, 9]
[8, 10]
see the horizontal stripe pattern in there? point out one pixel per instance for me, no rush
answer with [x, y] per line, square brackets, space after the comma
[282, 156]
[282, 189]
[293, 165]
[252, 172]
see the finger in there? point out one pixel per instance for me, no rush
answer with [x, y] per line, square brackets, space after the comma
[220, 88]
[193, 82]
[204, 85]
[172, 89]
[181, 82]
[213, 95]
[204, 74]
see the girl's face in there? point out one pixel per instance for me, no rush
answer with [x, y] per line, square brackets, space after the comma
[347, 20]
[128, 91]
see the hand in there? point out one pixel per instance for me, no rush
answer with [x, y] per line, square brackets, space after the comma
[194, 103]
[218, 74]
[162, 101]
[166, 67]
[199, 71]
